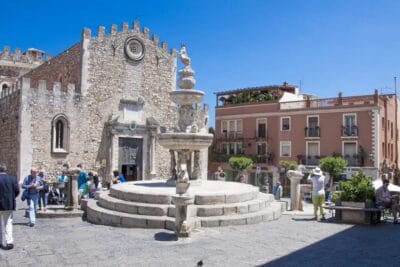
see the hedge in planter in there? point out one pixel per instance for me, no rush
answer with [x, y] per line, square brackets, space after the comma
[358, 189]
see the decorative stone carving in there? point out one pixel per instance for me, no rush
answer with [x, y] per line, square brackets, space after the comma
[134, 49]
[186, 144]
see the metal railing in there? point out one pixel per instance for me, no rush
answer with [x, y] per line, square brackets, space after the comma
[312, 131]
[349, 131]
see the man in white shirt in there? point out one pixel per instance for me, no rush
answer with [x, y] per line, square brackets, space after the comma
[318, 192]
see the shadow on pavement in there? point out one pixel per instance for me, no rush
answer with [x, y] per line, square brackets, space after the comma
[164, 236]
[360, 245]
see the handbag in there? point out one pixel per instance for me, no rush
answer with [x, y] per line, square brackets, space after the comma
[25, 195]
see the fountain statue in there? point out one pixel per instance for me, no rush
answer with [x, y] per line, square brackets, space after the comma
[191, 136]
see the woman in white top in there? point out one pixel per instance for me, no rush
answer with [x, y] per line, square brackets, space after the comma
[318, 192]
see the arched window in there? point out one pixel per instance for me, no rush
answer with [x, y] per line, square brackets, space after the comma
[60, 134]
[4, 89]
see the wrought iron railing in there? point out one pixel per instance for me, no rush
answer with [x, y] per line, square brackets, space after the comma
[312, 131]
[349, 131]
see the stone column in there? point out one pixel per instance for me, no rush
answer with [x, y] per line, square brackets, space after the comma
[294, 177]
[72, 189]
[152, 155]
[173, 161]
[183, 215]
[196, 175]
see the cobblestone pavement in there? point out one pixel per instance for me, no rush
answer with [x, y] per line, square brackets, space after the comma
[293, 240]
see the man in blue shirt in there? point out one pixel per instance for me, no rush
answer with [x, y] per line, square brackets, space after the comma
[118, 178]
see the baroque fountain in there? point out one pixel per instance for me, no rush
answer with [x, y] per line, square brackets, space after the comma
[187, 200]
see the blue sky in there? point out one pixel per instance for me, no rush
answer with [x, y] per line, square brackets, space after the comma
[330, 46]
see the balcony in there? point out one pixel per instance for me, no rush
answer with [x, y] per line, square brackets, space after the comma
[261, 136]
[352, 161]
[225, 136]
[309, 160]
[268, 158]
[312, 131]
[350, 131]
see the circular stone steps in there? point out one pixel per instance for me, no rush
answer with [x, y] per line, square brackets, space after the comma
[99, 215]
[272, 213]
[148, 204]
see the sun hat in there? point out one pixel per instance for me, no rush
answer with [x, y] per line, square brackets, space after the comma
[316, 171]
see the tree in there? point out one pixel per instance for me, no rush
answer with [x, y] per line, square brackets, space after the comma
[240, 164]
[289, 164]
[334, 166]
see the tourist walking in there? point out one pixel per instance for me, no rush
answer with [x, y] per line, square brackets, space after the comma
[32, 184]
[318, 192]
[44, 192]
[278, 191]
[9, 190]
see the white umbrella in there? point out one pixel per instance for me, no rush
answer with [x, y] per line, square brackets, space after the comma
[392, 188]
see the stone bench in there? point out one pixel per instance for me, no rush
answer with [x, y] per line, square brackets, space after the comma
[356, 215]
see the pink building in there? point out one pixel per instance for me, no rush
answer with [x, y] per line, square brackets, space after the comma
[275, 123]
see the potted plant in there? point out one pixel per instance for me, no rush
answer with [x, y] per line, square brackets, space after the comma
[357, 192]
[355, 203]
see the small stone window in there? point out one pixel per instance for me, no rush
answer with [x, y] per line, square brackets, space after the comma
[4, 89]
[60, 134]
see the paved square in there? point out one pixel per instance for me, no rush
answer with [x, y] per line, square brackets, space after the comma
[293, 240]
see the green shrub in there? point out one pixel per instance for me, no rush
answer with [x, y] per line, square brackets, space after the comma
[358, 189]
[240, 163]
[289, 164]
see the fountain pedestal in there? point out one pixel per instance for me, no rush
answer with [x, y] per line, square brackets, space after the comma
[295, 177]
[72, 189]
[183, 214]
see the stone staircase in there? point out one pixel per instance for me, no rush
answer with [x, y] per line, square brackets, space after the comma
[125, 206]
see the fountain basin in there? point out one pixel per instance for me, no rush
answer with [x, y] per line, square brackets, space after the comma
[185, 141]
[187, 97]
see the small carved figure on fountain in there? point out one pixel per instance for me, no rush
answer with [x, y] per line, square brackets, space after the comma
[185, 59]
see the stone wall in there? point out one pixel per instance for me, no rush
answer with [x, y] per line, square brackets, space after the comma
[103, 76]
[64, 68]
[9, 118]
[111, 76]
[39, 108]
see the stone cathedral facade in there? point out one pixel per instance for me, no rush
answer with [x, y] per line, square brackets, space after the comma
[101, 102]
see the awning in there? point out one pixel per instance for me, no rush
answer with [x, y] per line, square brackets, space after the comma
[392, 188]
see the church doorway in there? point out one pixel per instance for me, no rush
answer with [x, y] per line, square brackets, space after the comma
[130, 172]
[130, 158]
